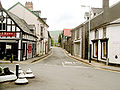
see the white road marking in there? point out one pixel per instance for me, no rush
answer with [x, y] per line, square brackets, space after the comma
[69, 64]
[75, 66]
[63, 64]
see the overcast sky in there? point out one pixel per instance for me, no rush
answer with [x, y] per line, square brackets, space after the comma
[60, 14]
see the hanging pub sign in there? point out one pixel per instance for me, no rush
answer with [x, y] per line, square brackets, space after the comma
[29, 48]
[7, 34]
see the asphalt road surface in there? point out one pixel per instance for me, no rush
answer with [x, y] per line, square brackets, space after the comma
[59, 72]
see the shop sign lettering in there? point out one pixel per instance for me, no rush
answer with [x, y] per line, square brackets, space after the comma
[7, 34]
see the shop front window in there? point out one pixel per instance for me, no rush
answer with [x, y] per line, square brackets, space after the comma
[8, 49]
[95, 49]
[104, 49]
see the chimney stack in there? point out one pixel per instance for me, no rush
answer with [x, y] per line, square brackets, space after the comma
[29, 5]
[105, 5]
[106, 11]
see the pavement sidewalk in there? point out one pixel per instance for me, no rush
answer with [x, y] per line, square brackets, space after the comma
[95, 64]
[28, 61]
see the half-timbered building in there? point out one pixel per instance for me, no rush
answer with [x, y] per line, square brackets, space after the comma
[16, 39]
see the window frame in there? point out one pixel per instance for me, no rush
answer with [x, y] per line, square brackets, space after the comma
[2, 26]
[104, 41]
[95, 41]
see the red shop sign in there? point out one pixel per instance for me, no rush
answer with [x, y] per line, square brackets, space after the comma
[29, 48]
[7, 34]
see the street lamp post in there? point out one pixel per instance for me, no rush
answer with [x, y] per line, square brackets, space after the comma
[88, 32]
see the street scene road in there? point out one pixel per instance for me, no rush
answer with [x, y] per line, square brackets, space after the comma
[60, 72]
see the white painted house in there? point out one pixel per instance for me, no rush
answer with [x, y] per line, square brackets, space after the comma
[104, 39]
[104, 35]
[34, 21]
[106, 43]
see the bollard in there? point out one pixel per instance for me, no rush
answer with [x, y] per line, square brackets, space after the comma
[20, 70]
[11, 58]
[17, 68]
[29, 74]
[107, 61]
[21, 79]
[89, 60]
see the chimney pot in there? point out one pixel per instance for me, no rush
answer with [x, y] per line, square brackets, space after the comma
[29, 5]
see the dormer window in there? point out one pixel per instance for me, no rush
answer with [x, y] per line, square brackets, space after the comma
[32, 28]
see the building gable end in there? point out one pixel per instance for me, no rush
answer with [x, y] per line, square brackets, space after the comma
[28, 10]
[22, 6]
[9, 17]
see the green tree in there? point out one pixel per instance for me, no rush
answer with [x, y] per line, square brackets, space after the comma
[59, 38]
[52, 41]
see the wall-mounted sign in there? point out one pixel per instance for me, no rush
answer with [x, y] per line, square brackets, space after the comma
[8, 47]
[29, 48]
[7, 34]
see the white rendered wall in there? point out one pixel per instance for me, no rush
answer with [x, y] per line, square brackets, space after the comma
[92, 36]
[99, 43]
[113, 33]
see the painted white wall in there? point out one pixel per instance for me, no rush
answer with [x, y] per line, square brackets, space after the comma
[99, 43]
[100, 33]
[113, 33]
[92, 36]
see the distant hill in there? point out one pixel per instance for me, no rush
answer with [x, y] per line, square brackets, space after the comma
[55, 34]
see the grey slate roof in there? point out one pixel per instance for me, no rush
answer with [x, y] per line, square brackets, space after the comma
[103, 18]
[106, 17]
[97, 10]
[29, 11]
[21, 23]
